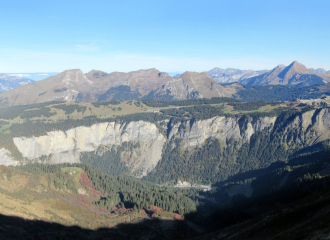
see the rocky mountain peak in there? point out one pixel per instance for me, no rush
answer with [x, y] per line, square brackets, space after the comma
[294, 68]
[293, 74]
[205, 74]
[299, 68]
[280, 66]
[151, 71]
[73, 76]
[96, 74]
[190, 74]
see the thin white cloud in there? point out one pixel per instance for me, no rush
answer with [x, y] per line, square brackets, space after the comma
[43, 74]
[19, 75]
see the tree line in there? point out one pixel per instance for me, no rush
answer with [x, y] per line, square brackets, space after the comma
[199, 101]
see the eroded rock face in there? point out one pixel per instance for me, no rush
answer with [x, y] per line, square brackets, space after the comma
[223, 128]
[305, 129]
[6, 159]
[301, 131]
[309, 128]
[67, 146]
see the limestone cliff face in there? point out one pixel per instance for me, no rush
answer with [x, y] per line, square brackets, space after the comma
[300, 131]
[67, 146]
[304, 130]
[309, 128]
[194, 133]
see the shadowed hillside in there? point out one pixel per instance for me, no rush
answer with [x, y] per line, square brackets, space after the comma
[19, 228]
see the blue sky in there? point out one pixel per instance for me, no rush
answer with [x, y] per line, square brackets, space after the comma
[172, 36]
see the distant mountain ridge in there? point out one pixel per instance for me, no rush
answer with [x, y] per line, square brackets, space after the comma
[8, 82]
[296, 74]
[96, 85]
[74, 85]
[319, 71]
[230, 75]
[35, 76]
[154, 84]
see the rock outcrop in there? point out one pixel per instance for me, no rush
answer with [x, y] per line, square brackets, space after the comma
[308, 128]
[66, 146]
[7, 159]
[223, 128]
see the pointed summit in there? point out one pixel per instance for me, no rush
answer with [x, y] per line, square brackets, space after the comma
[293, 69]
[300, 68]
[294, 74]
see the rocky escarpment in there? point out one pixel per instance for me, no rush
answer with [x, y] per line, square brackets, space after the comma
[298, 131]
[308, 128]
[194, 133]
[265, 139]
[66, 146]
[304, 129]
[212, 150]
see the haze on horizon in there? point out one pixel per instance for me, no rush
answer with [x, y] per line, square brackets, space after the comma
[171, 36]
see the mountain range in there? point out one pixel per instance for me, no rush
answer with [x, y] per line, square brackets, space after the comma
[230, 75]
[319, 71]
[74, 85]
[8, 82]
[96, 85]
[295, 74]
